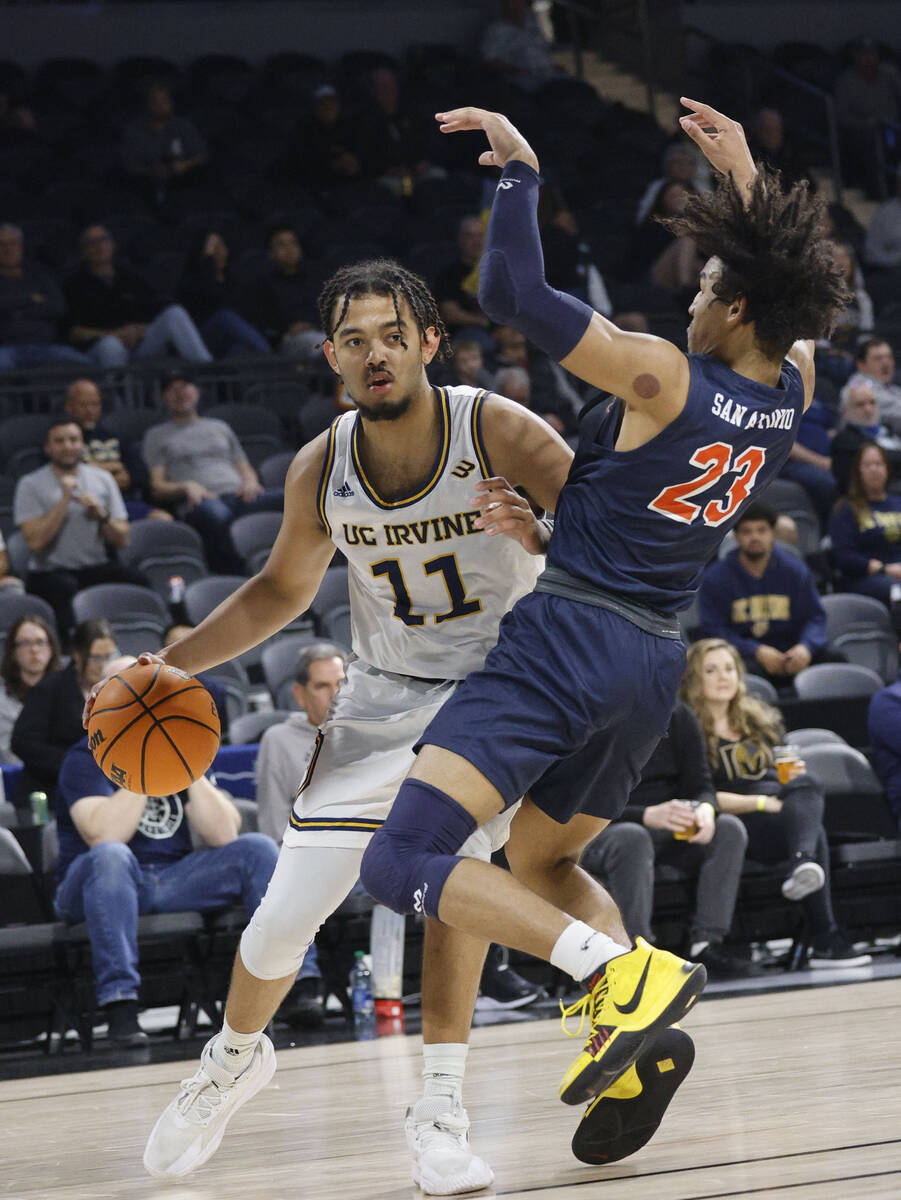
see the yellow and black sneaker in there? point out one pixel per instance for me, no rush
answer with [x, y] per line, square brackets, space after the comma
[628, 1003]
[626, 1116]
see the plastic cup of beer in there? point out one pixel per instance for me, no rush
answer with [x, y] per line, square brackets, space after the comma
[789, 763]
[684, 835]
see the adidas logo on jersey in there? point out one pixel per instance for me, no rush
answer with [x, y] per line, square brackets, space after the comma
[344, 492]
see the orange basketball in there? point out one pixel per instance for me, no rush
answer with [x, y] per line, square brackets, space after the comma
[153, 729]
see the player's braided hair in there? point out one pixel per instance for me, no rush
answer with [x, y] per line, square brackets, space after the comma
[381, 277]
[774, 253]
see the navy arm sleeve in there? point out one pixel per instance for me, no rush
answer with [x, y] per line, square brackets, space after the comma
[512, 287]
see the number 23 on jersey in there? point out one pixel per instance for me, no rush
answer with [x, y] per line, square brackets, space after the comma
[716, 461]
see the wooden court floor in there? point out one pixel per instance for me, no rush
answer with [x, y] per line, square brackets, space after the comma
[794, 1095]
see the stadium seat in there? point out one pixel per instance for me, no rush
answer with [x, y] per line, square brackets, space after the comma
[336, 625]
[7, 494]
[253, 536]
[19, 554]
[815, 737]
[24, 432]
[163, 549]
[762, 689]
[251, 727]
[790, 499]
[234, 678]
[836, 681]
[256, 427]
[856, 807]
[279, 660]
[22, 900]
[132, 423]
[861, 629]
[138, 616]
[274, 470]
[203, 595]
[285, 398]
[333, 591]
[20, 604]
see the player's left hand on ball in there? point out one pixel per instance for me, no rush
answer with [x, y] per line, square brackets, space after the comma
[504, 138]
[503, 510]
[92, 695]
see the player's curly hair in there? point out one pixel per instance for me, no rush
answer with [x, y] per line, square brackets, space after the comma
[774, 253]
[381, 277]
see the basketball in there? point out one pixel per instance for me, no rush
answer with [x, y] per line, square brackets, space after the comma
[153, 729]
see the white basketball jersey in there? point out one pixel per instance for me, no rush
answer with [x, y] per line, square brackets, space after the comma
[427, 588]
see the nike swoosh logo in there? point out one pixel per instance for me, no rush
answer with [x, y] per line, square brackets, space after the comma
[625, 1009]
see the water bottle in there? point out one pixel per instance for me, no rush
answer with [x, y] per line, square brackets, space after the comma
[361, 998]
[176, 589]
[37, 802]
[386, 944]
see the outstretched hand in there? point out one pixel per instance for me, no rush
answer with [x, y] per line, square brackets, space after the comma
[721, 139]
[504, 138]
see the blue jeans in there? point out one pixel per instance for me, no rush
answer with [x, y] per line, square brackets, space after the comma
[212, 518]
[225, 332]
[44, 354]
[109, 889]
[173, 327]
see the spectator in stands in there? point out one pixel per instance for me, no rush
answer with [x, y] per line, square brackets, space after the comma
[103, 449]
[326, 150]
[30, 650]
[784, 821]
[568, 263]
[394, 138]
[860, 424]
[865, 528]
[467, 367]
[50, 720]
[161, 150]
[875, 363]
[122, 855]
[672, 818]
[210, 294]
[856, 319]
[72, 516]
[764, 601]
[866, 93]
[198, 465]
[681, 164]
[669, 262]
[810, 462]
[549, 386]
[457, 287]
[514, 47]
[282, 301]
[883, 245]
[115, 314]
[769, 143]
[884, 726]
[515, 383]
[31, 310]
[285, 749]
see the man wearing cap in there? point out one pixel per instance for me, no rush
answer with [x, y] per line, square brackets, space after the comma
[197, 465]
[115, 314]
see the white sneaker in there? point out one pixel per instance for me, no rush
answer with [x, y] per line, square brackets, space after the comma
[437, 1132]
[192, 1126]
[807, 877]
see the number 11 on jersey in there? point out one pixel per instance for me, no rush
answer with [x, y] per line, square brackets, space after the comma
[446, 565]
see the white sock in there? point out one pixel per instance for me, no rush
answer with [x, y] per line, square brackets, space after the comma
[443, 1065]
[232, 1051]
[581, 950]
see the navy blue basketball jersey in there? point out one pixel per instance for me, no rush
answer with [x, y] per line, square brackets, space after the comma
[646, 522]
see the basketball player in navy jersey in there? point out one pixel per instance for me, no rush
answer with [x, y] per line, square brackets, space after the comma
[573, 699]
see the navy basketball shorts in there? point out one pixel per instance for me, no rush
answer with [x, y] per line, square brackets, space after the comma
[568, 707]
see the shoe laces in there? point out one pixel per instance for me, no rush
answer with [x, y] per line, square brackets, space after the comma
[589, 1006]
[199, 1098]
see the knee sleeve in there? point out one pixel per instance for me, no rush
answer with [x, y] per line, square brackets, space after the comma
[407, 863]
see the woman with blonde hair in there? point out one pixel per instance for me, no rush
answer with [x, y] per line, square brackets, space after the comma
[784, 821]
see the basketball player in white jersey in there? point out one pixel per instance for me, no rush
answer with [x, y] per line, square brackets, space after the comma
[415, 488]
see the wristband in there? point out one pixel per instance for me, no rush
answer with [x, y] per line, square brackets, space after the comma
[707, 804]
[761, 803]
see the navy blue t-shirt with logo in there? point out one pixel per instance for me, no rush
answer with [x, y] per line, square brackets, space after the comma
[163, 835]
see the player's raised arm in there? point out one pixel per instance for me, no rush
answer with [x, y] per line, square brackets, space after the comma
[644, 370]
